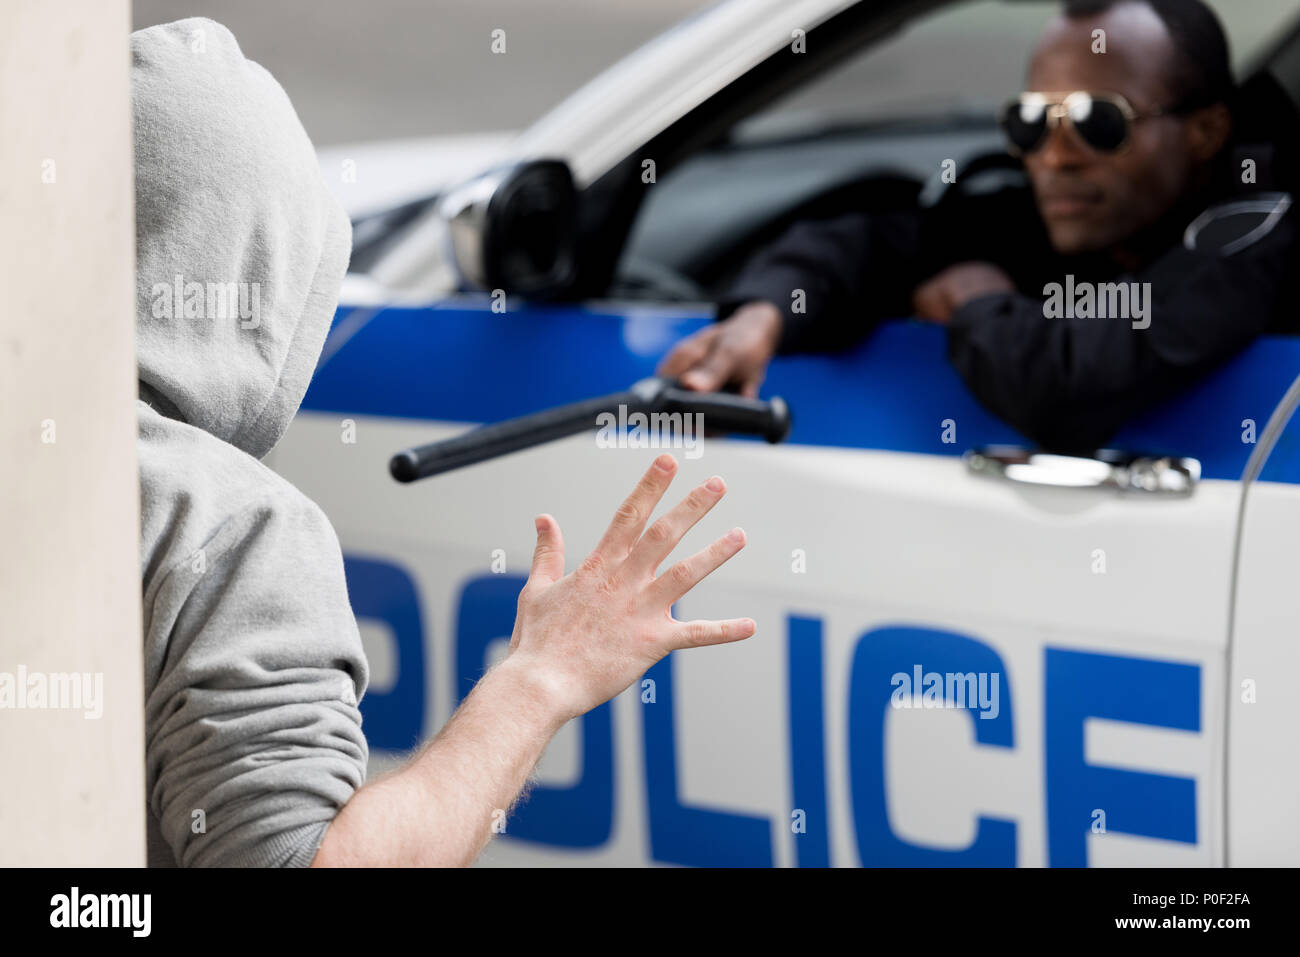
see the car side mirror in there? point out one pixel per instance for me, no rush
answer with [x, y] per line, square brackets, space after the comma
[515, 228]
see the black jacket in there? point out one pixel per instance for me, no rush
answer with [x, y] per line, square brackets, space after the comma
[1067, 383]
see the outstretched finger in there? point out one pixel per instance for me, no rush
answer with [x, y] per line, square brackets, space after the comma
[699, 633]
[689, 572]
[631, 516]
[662, 537]
[548, 556]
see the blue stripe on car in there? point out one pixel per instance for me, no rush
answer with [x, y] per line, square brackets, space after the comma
[458, 361]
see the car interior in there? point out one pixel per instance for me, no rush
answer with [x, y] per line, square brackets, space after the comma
[724, 191]
[734, 173]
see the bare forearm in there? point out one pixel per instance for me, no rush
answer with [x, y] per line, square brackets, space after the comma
[439, 809]
[579, 640]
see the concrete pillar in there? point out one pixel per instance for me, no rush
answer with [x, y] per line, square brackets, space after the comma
[71, 783]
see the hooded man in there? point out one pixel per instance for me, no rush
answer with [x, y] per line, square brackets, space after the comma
[253, 661]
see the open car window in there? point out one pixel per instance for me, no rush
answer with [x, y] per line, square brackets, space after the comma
[895, 110]
[968, 58]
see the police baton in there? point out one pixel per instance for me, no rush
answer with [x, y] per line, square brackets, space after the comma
[723, 412]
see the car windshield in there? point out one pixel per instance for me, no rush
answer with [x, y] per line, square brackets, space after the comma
[966, 59]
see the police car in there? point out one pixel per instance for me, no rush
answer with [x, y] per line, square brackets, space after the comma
[967, 653]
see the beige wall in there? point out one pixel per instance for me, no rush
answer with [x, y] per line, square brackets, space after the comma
[73, 787]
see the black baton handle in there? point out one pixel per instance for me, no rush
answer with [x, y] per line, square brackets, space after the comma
[729, 413]
[724, 412]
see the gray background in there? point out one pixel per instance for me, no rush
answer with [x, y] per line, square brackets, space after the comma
[381, 68]
[395, 68]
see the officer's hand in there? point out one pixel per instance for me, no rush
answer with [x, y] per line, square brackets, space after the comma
[938, 298]
[736, 350]
[588, 635]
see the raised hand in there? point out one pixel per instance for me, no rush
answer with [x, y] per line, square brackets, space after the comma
[589, 634]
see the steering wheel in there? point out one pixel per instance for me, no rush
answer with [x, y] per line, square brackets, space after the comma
[985, 173]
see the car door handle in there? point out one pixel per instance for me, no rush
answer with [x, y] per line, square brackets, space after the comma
[1107, 468]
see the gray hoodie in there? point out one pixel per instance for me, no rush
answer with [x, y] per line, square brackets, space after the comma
[253, 661]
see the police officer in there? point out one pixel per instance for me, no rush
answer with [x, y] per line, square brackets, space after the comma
[1124, 133]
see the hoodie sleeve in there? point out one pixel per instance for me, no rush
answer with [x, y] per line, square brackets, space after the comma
[253, 733]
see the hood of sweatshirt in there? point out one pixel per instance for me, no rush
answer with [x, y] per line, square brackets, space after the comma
[240, 245]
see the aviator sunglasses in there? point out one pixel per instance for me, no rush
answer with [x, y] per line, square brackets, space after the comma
[1102, 120]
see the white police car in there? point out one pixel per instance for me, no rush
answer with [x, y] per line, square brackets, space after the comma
[1120, 634]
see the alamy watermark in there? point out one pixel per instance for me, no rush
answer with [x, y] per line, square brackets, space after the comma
[1106, 300]
[977, 691]
[130, 911]
[208, 300]
[56, 690]
[651, 430]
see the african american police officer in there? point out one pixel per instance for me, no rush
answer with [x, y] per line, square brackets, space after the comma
[1133, 172]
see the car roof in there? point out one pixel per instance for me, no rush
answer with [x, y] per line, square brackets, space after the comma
[645, 92]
